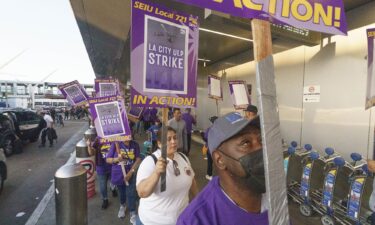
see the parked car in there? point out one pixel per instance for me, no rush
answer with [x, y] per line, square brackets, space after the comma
[24, 123]
[8, 136]
[3, 170]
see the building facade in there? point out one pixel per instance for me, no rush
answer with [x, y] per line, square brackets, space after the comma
[33, 95]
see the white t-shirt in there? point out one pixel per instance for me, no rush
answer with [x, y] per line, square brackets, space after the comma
[163, 208]
[48, 120]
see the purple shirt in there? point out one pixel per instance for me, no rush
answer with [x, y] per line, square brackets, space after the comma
[212, 206]
[189, 120]
[153, 114]
[102, 167]
[154, 132]
[130, 153]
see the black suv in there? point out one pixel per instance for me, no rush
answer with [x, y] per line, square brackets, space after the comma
[3, 170]
[23, 124]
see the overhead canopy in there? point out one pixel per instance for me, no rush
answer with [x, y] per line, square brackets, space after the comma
[105, 29]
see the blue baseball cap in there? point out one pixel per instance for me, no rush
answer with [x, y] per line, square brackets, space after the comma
[226, 127]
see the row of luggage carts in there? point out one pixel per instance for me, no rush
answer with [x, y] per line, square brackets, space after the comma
[327, 185]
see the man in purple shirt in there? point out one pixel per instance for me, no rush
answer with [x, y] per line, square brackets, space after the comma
[189, 121]
[235, 196]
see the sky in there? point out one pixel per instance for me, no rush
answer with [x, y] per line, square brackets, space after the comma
[45, 36]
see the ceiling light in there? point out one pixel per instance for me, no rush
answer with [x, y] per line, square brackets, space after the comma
[204, 60]
[225, 34]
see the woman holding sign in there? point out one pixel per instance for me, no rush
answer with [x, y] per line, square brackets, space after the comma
[163, 208]
[125, 158]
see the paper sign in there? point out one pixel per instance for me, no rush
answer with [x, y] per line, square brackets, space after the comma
[311, 93]
[239, 94]
[110, 119]
[164, 55]
[106, 87]
[214, 87]
[74, 93]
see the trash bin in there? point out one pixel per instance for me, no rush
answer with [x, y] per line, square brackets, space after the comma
[71, 195]
[88, 162]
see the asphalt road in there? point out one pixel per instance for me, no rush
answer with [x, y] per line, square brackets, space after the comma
[31, 173]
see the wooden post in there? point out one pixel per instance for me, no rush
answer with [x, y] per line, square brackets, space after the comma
[271, 138]
[217, 107]
[262, 39]
[163, 185]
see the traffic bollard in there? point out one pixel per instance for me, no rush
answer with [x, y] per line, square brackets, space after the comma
[88, 162]
[90, 133]
[71, 195]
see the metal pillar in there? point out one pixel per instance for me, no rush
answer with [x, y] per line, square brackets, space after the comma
[71, 195]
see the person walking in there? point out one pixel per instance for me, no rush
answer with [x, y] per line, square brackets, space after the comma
[209, 158]
[180, 127]
[103, 169]
[189, 121]
[47, 129]
[125, 159]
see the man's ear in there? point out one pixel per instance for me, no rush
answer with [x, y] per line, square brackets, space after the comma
[218, 160]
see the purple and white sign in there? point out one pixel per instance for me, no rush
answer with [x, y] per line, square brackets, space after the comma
[106, 87]
[109, 116]
[215, 90]
[239, 94]
[327, 16]
[370, 93]
[74, 93]
[135, 112]
[164, 53]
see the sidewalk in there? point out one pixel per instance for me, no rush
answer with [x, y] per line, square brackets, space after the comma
[97, 216]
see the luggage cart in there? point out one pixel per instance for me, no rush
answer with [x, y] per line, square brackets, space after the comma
[335, 191]
[312, 181]
[287, 152]
[294, 168]
[351, 190]
[358, 209]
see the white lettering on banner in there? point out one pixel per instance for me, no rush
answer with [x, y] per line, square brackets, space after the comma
[166, 61]
[164, 49]
[110, 121]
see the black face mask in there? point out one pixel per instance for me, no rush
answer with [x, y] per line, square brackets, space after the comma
[253, 166]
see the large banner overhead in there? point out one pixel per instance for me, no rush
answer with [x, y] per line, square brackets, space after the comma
[110, 119]
[239, 94]
[106, 87]
[370, 93]
[74, 93]
[327, 16]
[164, 54]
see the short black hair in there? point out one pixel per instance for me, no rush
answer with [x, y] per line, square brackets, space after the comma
[252, 108]
[176, 109]
[158, 135]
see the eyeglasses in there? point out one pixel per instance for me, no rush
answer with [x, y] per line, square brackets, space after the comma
[175, 168]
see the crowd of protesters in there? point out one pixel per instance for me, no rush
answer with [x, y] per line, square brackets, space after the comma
[237, 188]
[75, 113]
